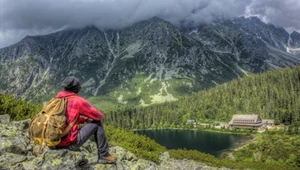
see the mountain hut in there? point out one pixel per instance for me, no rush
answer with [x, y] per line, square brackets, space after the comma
[246, 121]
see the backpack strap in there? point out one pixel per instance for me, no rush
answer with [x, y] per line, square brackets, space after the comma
[44, 129]
[43, 136]
[68, 128]
[30, 135]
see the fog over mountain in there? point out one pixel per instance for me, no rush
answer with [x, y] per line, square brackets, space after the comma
[142, 51]
[34, 17]
[148, 62]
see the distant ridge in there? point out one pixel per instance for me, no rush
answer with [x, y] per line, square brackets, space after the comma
[149, 62]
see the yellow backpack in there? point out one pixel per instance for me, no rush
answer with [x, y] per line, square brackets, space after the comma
[49, 125]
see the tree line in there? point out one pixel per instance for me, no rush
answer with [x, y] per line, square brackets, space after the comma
[273, 95]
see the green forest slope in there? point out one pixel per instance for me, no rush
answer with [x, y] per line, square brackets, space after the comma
[273, 95]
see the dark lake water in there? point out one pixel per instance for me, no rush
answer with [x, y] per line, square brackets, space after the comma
[204, 141]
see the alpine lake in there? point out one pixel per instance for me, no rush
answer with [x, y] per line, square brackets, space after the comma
[214, 143]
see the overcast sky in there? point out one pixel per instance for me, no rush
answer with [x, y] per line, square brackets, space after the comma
[19, 18]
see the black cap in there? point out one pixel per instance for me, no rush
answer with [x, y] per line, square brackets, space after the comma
[71, 83]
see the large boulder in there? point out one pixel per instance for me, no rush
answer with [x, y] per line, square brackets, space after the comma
[16, 153]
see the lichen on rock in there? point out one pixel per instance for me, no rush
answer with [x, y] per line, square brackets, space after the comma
[15, 154]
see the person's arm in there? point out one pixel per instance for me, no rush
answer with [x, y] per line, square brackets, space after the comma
[81, 120]
[89, 111]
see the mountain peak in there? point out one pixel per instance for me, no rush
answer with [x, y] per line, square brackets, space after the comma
[158, 20]
[29, 40]
[295, 33]
[252, 19]
[155, 18]
[153, 23]
[91, 27]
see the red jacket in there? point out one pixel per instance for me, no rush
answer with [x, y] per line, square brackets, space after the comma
[76, 108]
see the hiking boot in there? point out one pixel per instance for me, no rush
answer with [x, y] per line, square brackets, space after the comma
[107, 159]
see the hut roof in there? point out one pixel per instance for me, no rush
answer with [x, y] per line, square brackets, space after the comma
[246, 119]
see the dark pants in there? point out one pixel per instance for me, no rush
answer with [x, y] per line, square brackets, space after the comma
[92, 128]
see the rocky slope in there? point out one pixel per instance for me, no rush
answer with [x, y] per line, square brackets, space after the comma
[151, 61]
[294, 43]
[15, 154]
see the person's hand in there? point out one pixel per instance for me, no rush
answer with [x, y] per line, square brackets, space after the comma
[86, 119]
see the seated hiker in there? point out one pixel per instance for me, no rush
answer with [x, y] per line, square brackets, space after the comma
[78, 107]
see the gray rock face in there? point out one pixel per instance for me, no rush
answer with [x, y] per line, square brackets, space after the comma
[15, 153]
[254, 45]
[295, 39]
[294, 43]
[174, 61]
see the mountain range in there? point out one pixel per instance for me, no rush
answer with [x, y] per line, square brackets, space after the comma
[149, 62]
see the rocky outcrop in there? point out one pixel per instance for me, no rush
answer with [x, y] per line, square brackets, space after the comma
[15, 154]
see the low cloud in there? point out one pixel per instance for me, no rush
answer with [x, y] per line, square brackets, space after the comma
[278, 12]
[19, 18]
